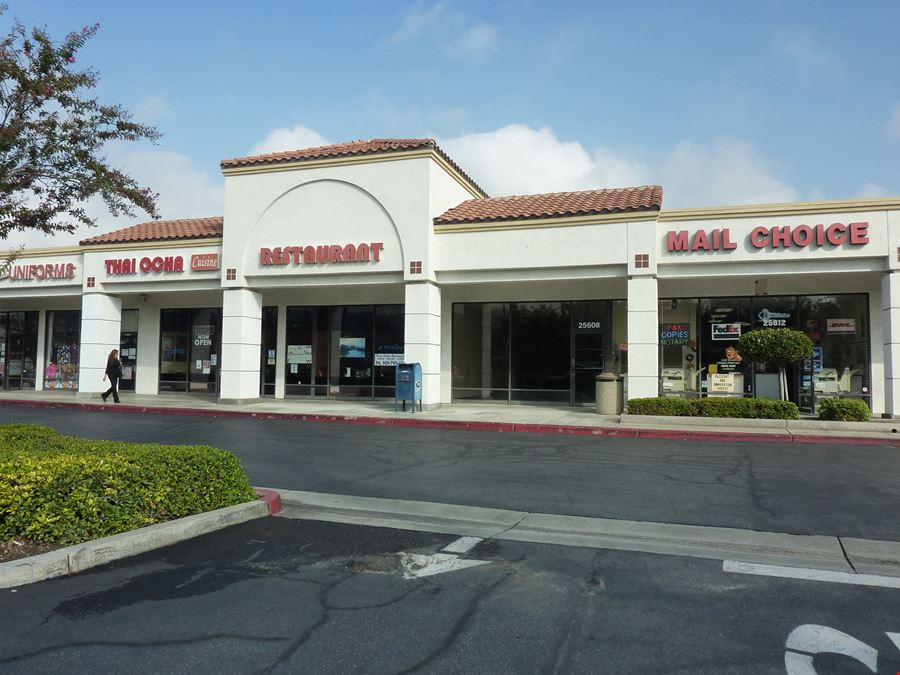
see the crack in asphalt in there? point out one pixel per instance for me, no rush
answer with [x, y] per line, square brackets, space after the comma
[137, 643]
[456, 630]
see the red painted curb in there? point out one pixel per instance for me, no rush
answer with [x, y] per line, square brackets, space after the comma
[271, 498]
[508, 427]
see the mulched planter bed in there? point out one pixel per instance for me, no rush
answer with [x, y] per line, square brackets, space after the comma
[14, 549]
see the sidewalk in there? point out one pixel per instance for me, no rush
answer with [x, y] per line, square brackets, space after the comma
[483, 417]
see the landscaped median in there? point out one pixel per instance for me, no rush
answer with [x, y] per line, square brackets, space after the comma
[93, 501]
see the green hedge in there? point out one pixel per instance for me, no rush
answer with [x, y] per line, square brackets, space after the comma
[844, 410]
[665, 405]
[760, 408]
[66, 489]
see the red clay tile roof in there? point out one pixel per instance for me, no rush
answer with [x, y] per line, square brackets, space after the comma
[374, 146]
[161, 230]
[554, 205]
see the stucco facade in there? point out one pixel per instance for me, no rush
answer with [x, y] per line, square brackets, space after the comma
[300, 236]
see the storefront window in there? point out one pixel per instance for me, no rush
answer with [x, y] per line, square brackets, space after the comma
[723, 370]
[481, 351]
[536, 351]
[706, 332]
[268, 354]
[62, 347]
[344, 351]
[128, 344]
[299, 356]
[189, 349]
[351, 338]
[18, 349]
[389, 346]
[838, 325]
[679, 356]
[539, 365]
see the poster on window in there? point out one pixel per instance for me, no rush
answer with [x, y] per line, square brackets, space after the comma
[203, 336]
[299, 354]
[674, 334]
[353, 347]
[388, 359]
[726, 331]
[840, 326]
[721, 383]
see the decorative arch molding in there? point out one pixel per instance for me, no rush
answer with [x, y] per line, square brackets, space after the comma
[343, 183]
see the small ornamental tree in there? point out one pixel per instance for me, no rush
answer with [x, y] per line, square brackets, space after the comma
[776, 347]
[52, 136]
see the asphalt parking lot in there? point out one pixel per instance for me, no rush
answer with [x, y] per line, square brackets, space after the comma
[279, 595]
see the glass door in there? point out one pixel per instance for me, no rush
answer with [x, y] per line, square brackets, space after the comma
[14, 361]
[587, 363]
[128, 340]
[203, 362]
[267, 353]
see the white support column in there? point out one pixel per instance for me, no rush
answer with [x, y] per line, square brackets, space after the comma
[643, 337]
[147, 375]
[241, 345]
[101, 326]
[890, 306]
[40, 362]
[281, 350]
[423, 337]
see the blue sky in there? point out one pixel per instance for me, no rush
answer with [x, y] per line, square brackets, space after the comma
[721, 103]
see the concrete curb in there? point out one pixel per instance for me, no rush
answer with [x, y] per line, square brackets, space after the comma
[80, 557]
[630, 426]
[717, 543]
[401, 514]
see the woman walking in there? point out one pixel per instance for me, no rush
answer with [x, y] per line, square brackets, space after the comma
[114, 373]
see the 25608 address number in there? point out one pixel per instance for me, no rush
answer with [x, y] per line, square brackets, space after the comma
[589, 324]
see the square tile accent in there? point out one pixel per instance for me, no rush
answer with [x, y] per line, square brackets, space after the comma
[231, 274]
[91, 281]
[415, 267]
[642, 260]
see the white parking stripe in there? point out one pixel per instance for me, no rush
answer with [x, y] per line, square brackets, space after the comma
[462, 545]
[810, 574]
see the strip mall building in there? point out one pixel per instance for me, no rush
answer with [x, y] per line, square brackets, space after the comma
[331, 265]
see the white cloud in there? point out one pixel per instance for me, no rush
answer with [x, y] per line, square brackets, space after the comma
[153, 109]
[289, 139]
[892, 128]
[517, 159]
[475, 43]
[184, 192]
[723, 172]
[809, 57]
[460, 38]
[420, 18]
[870, 190]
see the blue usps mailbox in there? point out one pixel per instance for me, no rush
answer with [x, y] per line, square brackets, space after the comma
[408, 383]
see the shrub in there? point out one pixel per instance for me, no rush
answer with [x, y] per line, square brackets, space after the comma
[66, 489]
[664, 405]
[759, 408]
[766, 408]
[746, 408]
[844, 410]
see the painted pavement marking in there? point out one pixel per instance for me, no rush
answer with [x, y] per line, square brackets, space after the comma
[810, 574]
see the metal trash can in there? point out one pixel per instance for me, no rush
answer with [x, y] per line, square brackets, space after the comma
[408, 385]
[610, 395]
